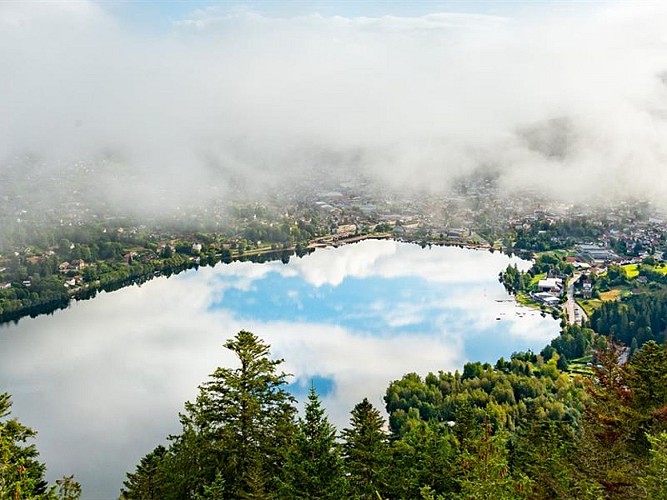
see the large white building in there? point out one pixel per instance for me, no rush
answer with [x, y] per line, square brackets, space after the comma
[551, 285]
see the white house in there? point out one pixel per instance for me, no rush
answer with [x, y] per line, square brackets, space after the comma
[551, 285]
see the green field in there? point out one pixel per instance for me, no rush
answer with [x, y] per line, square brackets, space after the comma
[524, 299]
[581, 366]
[631, 270]
[660, 269]
[536, 278]
[589, 305]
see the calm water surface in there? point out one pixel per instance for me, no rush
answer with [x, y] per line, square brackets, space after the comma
[103, 381]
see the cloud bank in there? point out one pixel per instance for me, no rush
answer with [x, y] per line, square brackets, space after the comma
[409, 101]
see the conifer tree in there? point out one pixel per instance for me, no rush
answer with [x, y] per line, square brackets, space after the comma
[424, 456]
[605, 439]
[235, 434]
[246, 418]
[21, 475]
[485, 471]
[366, 453]
[654, 481]
[314, 467]
[147, 482]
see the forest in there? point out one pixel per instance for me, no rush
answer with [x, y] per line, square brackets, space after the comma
[521, 428]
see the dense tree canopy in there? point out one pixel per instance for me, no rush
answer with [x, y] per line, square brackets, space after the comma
[519, 429]
[643, 317]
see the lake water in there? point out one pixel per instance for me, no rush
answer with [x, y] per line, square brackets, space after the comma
[104, 380]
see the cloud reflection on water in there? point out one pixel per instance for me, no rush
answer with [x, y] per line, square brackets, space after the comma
[103, 381]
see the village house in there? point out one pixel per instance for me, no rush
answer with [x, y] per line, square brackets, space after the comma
[346, 230]
[550, 285]
[546, 298]
[77, 265]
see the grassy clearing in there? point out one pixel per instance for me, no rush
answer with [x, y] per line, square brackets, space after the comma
[581, 366]
[536, 278]
[660, 269]
[577, 369]
[631, 270]
[610, 296]
[255, 251]
[589, 305]
[525, 300]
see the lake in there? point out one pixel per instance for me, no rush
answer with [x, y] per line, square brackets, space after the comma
[104, 380]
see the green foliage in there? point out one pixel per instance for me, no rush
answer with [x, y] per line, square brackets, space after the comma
[548, 235]
[514, 280]
[314, 465]
[485, 471]
[235, 434]
[643, 317]
[654, 480]
[213, 491]
[366, 453]
[626, 402]
[505, 393]
[424, 457]
[66, 488]
[544, 450]
[146, 483]
[519, 429]
[21, 474]
[573, 342]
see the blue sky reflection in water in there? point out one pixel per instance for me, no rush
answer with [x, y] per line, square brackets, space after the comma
[103, 381]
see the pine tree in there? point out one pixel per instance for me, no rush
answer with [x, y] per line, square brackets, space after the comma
[147, 482]
[214, 491]
[424, 454]
[485, 471]
[605, 439]
[246, 418]
[66, 488]
[314, 467]
[654, 481]
[21, 475]
[366, 453]
[235, 434]
[542, 449]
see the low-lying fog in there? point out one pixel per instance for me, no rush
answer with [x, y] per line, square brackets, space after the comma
[569, 99]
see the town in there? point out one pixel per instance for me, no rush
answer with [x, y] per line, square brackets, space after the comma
[54, 249]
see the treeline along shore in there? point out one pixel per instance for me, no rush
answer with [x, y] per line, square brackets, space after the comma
[43, 281]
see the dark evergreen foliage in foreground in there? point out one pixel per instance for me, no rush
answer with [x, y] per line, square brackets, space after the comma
[21, 473]
[519, 429]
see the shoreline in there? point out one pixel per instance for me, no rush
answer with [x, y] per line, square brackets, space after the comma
[90, 290]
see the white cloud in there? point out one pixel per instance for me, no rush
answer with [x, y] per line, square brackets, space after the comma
[409, 100]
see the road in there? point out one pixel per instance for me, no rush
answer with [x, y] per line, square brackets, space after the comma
[575, 314]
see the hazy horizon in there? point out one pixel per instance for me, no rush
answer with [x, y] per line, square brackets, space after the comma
[569, 98]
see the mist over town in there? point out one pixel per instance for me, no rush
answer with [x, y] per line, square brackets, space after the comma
[570, 102]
